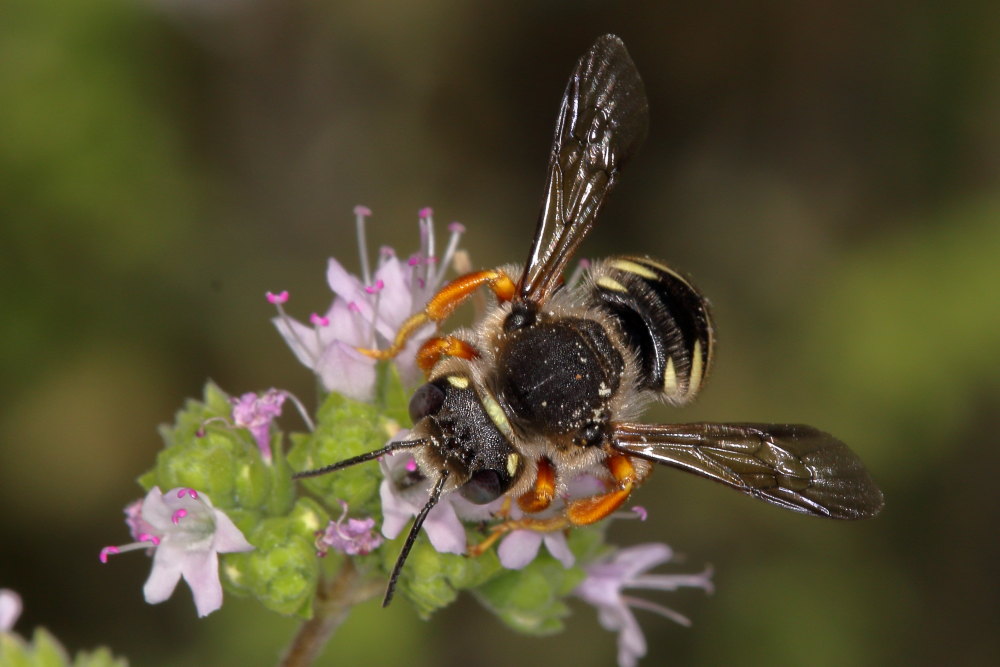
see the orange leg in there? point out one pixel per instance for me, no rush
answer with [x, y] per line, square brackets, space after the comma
[590, 510]
[541, 495]
[447, 346]
[442, 304]
[581, 512]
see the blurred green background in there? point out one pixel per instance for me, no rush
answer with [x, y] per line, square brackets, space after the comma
[828, 172]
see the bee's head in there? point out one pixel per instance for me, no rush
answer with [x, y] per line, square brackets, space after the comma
[470, 437]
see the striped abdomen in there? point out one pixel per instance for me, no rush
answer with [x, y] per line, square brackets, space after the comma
[662, 318]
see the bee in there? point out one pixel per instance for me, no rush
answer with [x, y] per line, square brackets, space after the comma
[548, 384]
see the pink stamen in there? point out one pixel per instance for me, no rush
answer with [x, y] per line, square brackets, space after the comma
[146, 537]
[425, 212]
[426, 239]
[275, 299]
[415, 260]
[354, 307]
[411, 465]
[387, 251]
[585, 263]
[108, 551]
[187, 492]
[360, 212]
[376, 288]
[641, 512]
[178, 515]
[456, 228]
[319, 321]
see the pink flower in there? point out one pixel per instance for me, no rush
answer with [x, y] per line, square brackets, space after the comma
[185, 534]
[626, 568]
[255, 413]
[366, 312]
[356, 537]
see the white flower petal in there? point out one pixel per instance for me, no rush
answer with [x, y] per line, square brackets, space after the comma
[345, 325]
[444, 530]
[228, 538]
[558, 547]
[344, 370]
[395, 299]
[156, 512]
[342, 283]
[201, 572]
[165, 574]
[519, 548]
[641, 557]
[395, 512]
[301, 338]
[631, 642]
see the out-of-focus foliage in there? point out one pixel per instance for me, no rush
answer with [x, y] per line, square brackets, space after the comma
[829, 174]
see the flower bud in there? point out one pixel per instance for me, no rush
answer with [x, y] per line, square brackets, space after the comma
[281, 573]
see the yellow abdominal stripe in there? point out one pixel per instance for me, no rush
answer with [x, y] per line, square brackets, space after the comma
[670, 378]
[697, 368]
[628, 266]
[611, 284]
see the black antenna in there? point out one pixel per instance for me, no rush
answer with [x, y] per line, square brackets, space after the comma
[412, 536]
[391, 447]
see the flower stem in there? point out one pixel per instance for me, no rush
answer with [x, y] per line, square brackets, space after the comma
[334, 599]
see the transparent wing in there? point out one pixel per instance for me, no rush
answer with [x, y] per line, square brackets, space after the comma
[603, 119]
[790, 465]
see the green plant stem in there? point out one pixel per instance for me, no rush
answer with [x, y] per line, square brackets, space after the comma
[334, 599]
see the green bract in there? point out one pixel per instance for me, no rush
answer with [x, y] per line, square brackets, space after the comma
[344, 428]
[281, 572]
[44, 650]
[432, 580]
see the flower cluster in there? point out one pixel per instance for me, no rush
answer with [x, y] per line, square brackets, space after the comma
[269, 529]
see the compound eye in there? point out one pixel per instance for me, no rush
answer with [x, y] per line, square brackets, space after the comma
[482, 488]
[426, 400]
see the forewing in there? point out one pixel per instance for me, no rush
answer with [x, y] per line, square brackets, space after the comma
[790, 465]
[603, 119]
